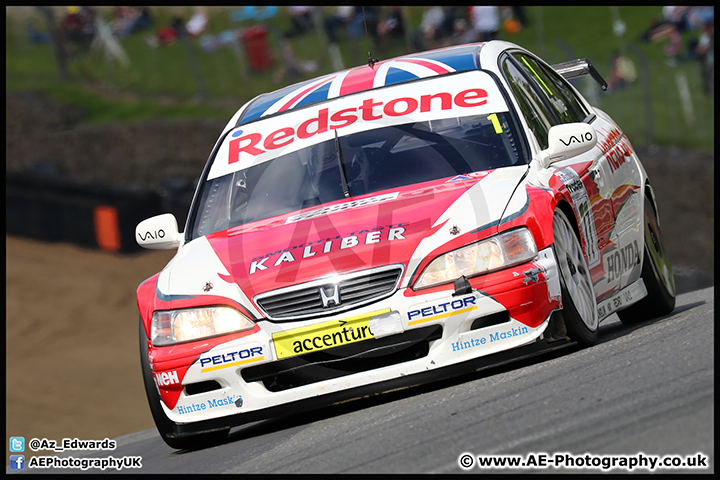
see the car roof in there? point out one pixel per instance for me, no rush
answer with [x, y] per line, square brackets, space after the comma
[357, 79]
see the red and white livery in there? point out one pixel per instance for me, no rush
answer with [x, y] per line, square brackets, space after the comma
[389, 225]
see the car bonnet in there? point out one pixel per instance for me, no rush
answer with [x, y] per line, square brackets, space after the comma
[408, 226]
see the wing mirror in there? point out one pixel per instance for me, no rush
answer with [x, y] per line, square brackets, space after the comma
[566, 141]
[159, 232]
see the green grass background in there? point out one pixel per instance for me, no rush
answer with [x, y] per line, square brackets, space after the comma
[159, 82]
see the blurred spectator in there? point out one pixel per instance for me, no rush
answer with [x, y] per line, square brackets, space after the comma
[703, 49]
[623, 72]
[701, 16]
[254, 13]
[292, 67]
[509, 23]
[485, 21]
[78, 27]
[354, 19]
[674, 22]
[34, 35]
[128, 20]
[301, 20]
[144, 21]
[123, 17]
[673, 19]
[177, 24]
[166, 35]
[169, 34]
[671, 25]
[210, 43]
[462, 33]
[519, 14]
[451, 15]
[364, 16]
[701, 19]
[197, 23]
[706, 55]
[342, 17]
[392, 26]
[430, 30]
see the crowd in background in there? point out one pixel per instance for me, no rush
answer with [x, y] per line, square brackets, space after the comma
[676, 20]
[374, 27]
[442, 26]
[669, 28]
[439, 26]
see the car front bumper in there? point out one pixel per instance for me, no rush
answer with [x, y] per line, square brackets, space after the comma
[286, 367]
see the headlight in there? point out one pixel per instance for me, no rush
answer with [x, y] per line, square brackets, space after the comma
[501, 251]
[176, 326]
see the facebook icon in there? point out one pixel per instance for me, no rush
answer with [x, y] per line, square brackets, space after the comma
[17, 462]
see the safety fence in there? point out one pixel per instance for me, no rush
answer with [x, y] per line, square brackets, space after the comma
[236, 53]
[668, 104]
[92, 215]
[652, 99]
[654, 102]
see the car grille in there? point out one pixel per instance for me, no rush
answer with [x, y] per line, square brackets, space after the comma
[330, 295]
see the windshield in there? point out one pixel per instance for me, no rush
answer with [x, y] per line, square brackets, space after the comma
[372, 161]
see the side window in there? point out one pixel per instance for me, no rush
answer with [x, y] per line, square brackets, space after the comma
[559, 96]
[530, 105]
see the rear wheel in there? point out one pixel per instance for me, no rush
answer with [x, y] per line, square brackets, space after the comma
[656, 274]
[576, 287]
[164, 425]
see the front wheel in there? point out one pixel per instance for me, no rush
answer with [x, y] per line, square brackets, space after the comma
[656, 274]
[164, 425]
[576, 287]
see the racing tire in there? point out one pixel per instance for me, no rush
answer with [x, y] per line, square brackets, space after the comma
[164, 425]
[656, 274]
[576, 287]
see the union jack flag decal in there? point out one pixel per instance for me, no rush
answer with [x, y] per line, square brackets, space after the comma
[358, 79]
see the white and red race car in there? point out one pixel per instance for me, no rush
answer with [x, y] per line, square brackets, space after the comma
[392, 224]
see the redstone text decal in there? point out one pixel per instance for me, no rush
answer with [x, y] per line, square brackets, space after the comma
[470, 93]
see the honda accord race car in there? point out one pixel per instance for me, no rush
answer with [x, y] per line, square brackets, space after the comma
[391, 224]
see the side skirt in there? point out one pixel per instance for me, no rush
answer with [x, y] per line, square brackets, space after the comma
[622, 299]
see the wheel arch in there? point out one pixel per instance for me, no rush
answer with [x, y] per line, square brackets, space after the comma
[570, 214]
[540, 221]
[145, 296]
[651, 194]
[579, 299]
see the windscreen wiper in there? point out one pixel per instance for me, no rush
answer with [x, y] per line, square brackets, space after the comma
[343, 178]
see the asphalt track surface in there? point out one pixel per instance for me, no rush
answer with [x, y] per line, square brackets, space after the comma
[648, 389]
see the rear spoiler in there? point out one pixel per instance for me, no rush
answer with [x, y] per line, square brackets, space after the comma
[578, 68]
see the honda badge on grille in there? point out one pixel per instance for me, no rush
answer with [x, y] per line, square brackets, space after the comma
[334, 296]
